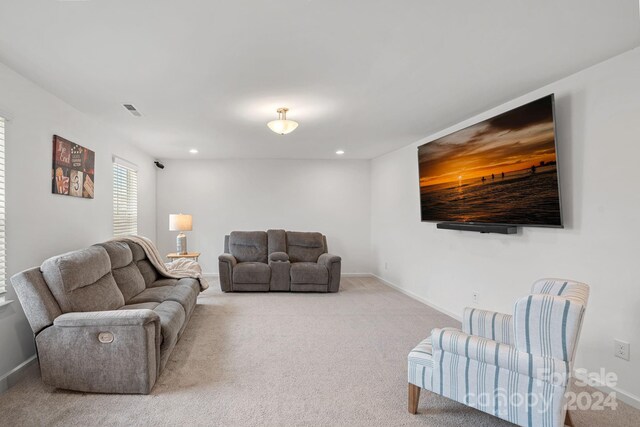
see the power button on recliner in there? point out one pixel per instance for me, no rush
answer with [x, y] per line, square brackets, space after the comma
[105, 337]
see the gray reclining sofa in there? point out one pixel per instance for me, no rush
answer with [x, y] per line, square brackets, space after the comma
[278, 260]
[104, 319]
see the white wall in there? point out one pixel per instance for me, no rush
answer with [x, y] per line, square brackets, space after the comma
[598, 128]
[41, 224]
[329, 196]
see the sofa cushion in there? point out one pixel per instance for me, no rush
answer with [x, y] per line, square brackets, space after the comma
[251, 272]
[148, 271]
[248, 246]
[82, 281]
[190, 283]
[119, 253]
[184, 295]
[172, 318]
[140, 306]
[309, 272]
[129, 280]
[187, 281]
[124, 269]
[304, 247]
[163, 282]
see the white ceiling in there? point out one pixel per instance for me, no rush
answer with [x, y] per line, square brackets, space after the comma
[366, 76]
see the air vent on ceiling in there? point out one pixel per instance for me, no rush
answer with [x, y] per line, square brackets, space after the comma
[132, 110]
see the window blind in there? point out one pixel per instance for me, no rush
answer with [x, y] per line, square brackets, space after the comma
[125, 198]
[2, 228]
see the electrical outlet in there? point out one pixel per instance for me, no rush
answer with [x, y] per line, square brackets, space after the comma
[621, 349]
[475, 296]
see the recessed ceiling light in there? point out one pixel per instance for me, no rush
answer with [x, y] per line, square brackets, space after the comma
[340, 152]
[193, 151]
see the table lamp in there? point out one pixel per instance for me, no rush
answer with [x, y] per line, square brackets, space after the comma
[180, 222]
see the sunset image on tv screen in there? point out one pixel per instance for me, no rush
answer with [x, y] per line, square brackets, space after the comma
[502, 170]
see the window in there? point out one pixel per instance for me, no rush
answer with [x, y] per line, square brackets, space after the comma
[2, 257]
[125, 198]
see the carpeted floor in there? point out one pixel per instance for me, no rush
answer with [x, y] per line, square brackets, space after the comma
[279, 359]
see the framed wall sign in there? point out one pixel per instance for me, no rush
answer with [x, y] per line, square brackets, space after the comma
[73, 171]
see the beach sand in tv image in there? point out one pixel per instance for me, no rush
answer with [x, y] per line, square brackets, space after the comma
[502, 170]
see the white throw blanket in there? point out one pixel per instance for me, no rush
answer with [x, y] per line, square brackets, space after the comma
[178, 269]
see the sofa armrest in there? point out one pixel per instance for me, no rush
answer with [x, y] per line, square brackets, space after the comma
[229, 259]
[280, 271]
[278, 257]
[107, 318]
[488, 324]
[226, 263]
[102, 352]
[334, 265]
[504, 356]
[532, 316]
[328, 259]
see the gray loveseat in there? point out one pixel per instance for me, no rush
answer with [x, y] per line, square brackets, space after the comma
[104, 319]
[278, 260]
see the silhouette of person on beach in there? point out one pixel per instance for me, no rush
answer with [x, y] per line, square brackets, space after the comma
[533, 169]
[493, 176]
[503, 174]
[484, 179]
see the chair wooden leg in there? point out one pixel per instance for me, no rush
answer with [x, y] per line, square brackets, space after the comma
[414, 397]
[567, 420]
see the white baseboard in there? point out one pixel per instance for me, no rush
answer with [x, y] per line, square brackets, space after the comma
[418, 298]
[14, 375]
[624, 396]
[621, 395]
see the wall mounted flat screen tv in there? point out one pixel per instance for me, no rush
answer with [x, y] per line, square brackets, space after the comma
[503, 170]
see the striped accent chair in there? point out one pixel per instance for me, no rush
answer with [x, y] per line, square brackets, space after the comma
[515, 367]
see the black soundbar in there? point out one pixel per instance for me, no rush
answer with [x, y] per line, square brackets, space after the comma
[481, 228]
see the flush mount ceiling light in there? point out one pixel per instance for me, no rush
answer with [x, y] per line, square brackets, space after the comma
[193, 151]
[340, 152]
[282, 125]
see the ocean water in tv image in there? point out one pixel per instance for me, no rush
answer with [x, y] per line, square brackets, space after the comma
[520, 197]
[502, 170]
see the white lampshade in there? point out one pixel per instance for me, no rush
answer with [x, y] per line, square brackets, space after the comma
[282, 125]
[180, 222]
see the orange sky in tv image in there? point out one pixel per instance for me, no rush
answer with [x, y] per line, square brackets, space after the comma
[482, 149]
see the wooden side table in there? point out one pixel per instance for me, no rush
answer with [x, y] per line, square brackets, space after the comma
[192, 255]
